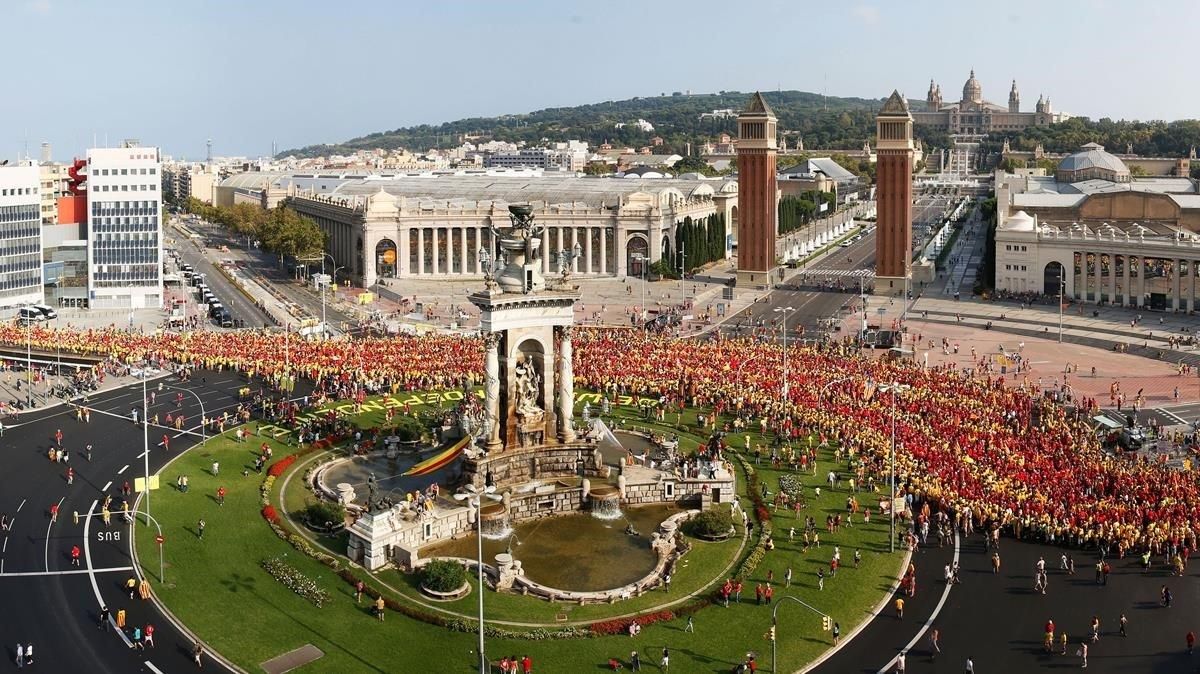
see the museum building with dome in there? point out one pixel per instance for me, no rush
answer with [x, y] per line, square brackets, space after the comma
[972, 115]
[1105, 235]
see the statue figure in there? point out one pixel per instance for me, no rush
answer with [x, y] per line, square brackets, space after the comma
[528, 384]
[372, 490]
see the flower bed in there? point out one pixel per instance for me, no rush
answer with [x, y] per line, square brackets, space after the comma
[621, 625]
[293, 579]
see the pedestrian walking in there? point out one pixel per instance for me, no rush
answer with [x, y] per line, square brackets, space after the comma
[358, 592]
[105, 615]
[53, 512]
[935, 647]
[900, 608]
[837, 633]
[970, 665]
[200, 529]
[635, 662]
[20, 655]
[1191, 640]
[900, 662]
[75, 555]
[148, 635]
[380, 605]
[221, 495]
[666, 659]
[1082, 652]
[1122, 621]
[216, 468]
[29, 654]
[691, 626]
[131, 586]
[197, 651]
[70, 476]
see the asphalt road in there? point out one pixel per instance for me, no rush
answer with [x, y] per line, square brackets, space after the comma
[265, 265]
[997, 619]
[233, 299]
[47, 600]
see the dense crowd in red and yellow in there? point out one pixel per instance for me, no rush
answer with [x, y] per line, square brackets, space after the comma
[967, 442]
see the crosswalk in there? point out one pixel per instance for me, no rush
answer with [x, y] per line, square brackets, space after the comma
[835, 273]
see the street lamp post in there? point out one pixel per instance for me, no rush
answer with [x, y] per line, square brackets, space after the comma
[783, 326]
[892, 388]
[473, 497]
[641, 260]
[324, 286]
[1062, 289]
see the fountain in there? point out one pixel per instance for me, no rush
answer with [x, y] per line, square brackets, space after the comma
[493, 519]
[574, 537]
[605, 502]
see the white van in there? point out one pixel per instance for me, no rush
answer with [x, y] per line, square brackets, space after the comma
[30, 315]
[48, 312]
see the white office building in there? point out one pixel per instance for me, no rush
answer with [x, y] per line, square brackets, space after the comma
[124, 227]
[20, 235]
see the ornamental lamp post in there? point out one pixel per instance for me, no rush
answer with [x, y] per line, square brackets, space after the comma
[473, 497]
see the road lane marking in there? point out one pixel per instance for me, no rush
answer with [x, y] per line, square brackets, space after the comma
[123, 469]
[69, 572]
[1172, 415]
[154, 669]
[21, 506]
[932, 617]
[87, 555]
[5, 544]
[48, 526]
[107, 486]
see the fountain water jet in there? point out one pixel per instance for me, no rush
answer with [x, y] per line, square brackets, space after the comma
[494, 521]
[605, 502]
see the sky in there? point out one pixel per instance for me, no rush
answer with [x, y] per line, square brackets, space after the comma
[248, 73]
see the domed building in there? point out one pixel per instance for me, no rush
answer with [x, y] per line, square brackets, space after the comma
[1091, 162]
[973, 115]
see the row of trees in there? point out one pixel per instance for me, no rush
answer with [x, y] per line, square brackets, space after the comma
[795, 212]
[279, 230]
[1149, 139]
[701, 241]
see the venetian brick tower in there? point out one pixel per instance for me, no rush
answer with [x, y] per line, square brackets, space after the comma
[893, 196]
[757, 226]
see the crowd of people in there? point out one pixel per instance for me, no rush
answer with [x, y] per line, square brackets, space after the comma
[991, 453]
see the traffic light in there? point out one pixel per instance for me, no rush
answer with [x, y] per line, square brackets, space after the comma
[826, 623]
[771, 634]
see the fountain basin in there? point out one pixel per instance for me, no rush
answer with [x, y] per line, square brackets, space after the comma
[575, 552]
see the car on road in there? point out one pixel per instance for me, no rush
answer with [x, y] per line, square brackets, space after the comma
[30, 315]
[47, 312]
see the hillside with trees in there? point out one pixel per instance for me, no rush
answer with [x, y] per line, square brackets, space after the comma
[823, 122]
[1149, 139]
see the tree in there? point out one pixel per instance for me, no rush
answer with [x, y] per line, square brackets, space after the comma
[1137, 171]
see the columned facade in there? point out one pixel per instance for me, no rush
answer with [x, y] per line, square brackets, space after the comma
[383, 237]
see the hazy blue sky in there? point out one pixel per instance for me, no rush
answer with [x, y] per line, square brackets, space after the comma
[246, 73]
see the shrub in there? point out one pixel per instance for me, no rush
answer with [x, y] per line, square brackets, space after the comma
[621, 625]
[269, 514]
[711, 523]
[295, 580]
[443, 575]
[323, 511]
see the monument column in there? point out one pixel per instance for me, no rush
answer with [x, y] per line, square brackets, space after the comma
[436, 237]
[893, 196]
[566, 387]
[757, 194]
[463, 268]
[1191, 298]
[492, 390]
[403, 253]
[1127, 276]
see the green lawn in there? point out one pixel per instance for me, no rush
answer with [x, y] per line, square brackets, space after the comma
[218, 589]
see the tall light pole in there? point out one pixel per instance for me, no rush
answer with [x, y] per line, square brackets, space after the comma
[784, 311]
[892, 467]
[324, 286]
[1062, 289]
[473, 497]
[146, 436]
[29, 358]
[641, 260]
